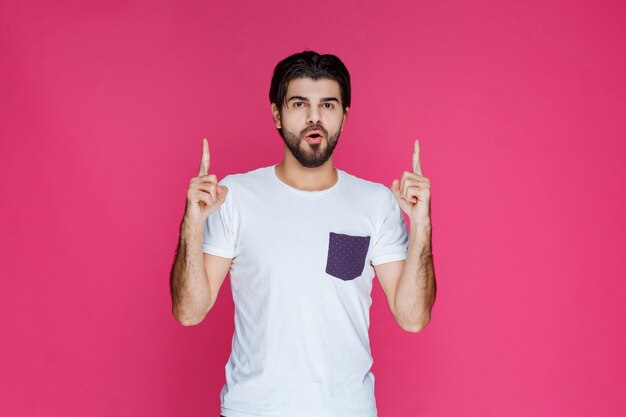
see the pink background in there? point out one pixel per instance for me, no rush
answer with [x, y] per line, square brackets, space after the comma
[519, 107]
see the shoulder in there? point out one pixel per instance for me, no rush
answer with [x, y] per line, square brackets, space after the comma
[371, 196]
[244, 179]
[361, 185]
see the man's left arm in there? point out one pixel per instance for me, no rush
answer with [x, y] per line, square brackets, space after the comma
[417, 287]
[410, 285]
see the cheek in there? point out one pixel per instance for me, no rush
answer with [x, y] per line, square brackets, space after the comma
[333, 122]
[293, 120]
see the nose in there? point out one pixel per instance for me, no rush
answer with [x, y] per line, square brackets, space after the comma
[313, 117]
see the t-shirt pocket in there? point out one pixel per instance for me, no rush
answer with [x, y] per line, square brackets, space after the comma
[346, 255]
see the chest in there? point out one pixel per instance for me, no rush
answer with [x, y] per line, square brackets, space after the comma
[320, 237]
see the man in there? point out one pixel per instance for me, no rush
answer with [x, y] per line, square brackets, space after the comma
[302, 241]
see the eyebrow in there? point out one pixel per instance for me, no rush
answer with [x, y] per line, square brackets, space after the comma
[306, 99]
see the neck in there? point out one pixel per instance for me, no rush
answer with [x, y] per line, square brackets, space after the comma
[292, 173]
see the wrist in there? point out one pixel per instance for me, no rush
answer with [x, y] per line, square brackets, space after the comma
[420, 223]
[191, 228]
[420, 228]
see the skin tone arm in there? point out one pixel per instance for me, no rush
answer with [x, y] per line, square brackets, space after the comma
[410, 285]
[196, 277]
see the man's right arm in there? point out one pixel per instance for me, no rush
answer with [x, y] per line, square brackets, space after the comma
[196, 277]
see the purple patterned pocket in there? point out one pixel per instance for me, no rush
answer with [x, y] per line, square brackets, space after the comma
[346, 255]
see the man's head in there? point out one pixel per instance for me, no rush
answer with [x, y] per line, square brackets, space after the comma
[310, 93]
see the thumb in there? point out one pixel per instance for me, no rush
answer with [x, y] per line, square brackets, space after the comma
[222, 192]
[395, 189]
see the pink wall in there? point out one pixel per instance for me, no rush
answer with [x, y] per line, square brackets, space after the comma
[519, 107]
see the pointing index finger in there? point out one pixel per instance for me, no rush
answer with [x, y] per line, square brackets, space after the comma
[206, 158]
[417, 167]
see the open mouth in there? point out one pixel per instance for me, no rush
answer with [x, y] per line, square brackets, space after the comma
[314, 138]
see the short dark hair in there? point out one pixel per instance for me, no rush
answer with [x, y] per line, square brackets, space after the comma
[309, 64]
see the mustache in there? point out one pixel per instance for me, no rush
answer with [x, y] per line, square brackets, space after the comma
[313, 128]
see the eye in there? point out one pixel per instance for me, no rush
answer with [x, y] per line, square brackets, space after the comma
[297, 103]
[330, 105]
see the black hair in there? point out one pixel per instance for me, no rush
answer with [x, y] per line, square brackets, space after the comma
[309, 64]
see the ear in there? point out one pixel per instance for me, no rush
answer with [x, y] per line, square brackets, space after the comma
[345, 115]
[276, 115]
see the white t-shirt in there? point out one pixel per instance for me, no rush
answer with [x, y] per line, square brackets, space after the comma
[301, 278]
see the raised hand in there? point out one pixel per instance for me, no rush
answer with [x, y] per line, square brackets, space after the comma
[204, 196]
[412, 191]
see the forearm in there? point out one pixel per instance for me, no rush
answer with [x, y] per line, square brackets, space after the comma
[416, 290]
[189, 283]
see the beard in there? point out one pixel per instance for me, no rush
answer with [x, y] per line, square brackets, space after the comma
[310, 155]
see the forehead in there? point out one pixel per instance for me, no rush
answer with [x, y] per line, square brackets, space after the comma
[312, 89]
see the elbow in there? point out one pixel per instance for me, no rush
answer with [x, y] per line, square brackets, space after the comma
[415, 327]
[189, 319]
[189, 322]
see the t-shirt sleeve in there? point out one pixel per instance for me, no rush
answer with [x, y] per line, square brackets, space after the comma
[219, 236]
[392, 241]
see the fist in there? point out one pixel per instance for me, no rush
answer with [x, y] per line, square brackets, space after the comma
[204, 196]
[412, 191]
